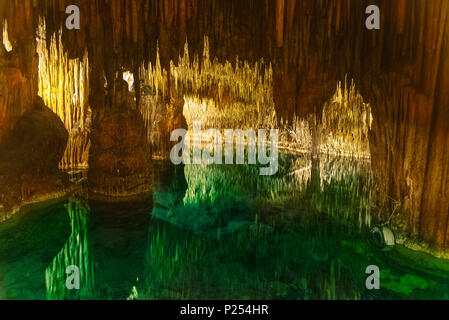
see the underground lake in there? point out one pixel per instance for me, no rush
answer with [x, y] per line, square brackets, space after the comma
[224, 150]
[218, 232]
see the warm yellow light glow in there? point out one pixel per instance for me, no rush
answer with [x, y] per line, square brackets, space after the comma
[240, 95]
[64, 87]
[129, 78]
[6, 42]
[63, 82]
[346, 123]
[220, 95]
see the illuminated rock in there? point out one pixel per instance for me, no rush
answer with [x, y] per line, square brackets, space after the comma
[401, 71]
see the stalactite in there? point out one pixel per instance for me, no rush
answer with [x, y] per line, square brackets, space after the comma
[64, 86]
[234, 96]
[280, 11]
[223, 83]
[223, 95]
[311, 45]
[346, 123]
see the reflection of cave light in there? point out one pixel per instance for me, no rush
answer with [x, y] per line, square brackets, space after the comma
[302, 175]
[6, 42]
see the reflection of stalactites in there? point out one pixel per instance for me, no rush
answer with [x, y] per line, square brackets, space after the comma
[353, 188]
[74, 253]
[220, 186]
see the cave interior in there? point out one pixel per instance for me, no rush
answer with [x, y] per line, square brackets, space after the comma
[103, 98]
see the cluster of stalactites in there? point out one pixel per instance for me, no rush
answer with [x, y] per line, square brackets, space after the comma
[64, 87]
[204, 77]
[346, 122]
[63, 82]
[215, 90]
[223, 95]
[342, 129]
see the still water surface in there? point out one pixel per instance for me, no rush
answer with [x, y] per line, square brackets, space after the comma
[218, 232]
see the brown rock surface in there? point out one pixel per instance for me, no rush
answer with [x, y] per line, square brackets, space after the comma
[401, 70]
[29, 157]
[119, 160]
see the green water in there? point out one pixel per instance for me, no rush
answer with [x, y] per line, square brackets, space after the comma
[218, 232]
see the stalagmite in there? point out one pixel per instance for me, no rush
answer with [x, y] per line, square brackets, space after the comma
[308, 47]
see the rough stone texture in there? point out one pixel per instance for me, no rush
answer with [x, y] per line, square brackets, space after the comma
[402, 70]
[29, 157]
[119, 160]
[14, 96]
[17, 88]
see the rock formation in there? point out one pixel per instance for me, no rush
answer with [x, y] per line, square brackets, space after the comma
[401, 70]
[29, 157]
[119, 159]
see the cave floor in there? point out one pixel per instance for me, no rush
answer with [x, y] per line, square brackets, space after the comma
[218, 232]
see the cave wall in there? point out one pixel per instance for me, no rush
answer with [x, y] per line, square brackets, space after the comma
[32, 137]
[408, 90]
[18, 68]
[401, 70]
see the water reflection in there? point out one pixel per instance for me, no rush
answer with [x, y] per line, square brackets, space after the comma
[218, 232]
[234, 234]
[74, 253]
[119, 240]
[107, 248]
[218, 198]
